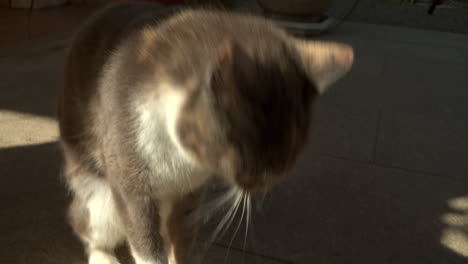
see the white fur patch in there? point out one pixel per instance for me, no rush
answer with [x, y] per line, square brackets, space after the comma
[173, 103]
[174, 171]
[171, 257]
[158, 119]
[100, 257]
[105, 227]
[140, 260]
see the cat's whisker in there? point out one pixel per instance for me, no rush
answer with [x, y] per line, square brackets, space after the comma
[238, 225]
[229, 196]
[247, 220]
[225, 219]
[206, 211]
[229, 215]
[211, 207]
[226, 228]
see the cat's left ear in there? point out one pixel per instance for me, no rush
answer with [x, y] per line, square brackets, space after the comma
[324, 62]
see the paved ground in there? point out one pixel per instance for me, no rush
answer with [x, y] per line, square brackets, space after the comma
[384, 180]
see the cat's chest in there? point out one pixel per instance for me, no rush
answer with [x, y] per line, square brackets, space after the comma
[172, 171]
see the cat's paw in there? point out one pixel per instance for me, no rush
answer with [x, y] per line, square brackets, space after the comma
[100, 257]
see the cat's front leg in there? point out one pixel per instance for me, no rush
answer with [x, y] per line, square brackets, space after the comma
[181, 229]
[142, 224]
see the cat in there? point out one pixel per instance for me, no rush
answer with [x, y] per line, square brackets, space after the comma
[158, 102]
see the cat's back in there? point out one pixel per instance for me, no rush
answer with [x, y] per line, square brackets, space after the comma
[92, 46]
[125, 44]
[101, 35]
[90, 50]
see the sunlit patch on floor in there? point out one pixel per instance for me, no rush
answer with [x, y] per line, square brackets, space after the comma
[22, 129]
[455, 235]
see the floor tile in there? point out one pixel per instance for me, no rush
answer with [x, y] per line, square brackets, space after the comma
[37, 221]
[37, 46]
[346, 117]
[433, 142]
[13, 26]
[51, 21]
[360, 88]
[348, 134]
[402, 34]
[30, 83]
[464, 51]
[425, 86]
[36, 198]
[217, 254]
[336, 211]
[417, 50]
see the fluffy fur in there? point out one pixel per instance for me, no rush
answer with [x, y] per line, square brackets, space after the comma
[157, 102]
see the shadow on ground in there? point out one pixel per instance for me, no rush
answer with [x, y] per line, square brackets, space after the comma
[310, 218]
[334, 211]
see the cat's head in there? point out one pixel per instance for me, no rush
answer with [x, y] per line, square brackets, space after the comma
[250, 120]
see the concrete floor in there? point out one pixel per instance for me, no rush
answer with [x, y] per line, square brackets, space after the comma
[384, 180]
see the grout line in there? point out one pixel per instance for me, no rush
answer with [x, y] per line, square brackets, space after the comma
[389, 166]
[379, 109]
[433, 60]
[376, 138]
[251, 253]
[464, 55]
[24, 49]
[387, 38]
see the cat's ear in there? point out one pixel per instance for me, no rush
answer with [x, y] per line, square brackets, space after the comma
[232, 57]
[230, 51]
[324, 62]
[225, 52]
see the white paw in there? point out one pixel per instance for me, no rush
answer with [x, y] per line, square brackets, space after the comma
[100, 257]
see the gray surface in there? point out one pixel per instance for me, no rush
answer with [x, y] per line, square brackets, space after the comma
[387, 159]
[347, 134]
[383, 180]
[390, 12]
[338, 211]
[434, 143]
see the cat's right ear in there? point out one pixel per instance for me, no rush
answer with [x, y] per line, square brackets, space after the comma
[324, 62]
[231, 52]
[225, 52]
[233, 59]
